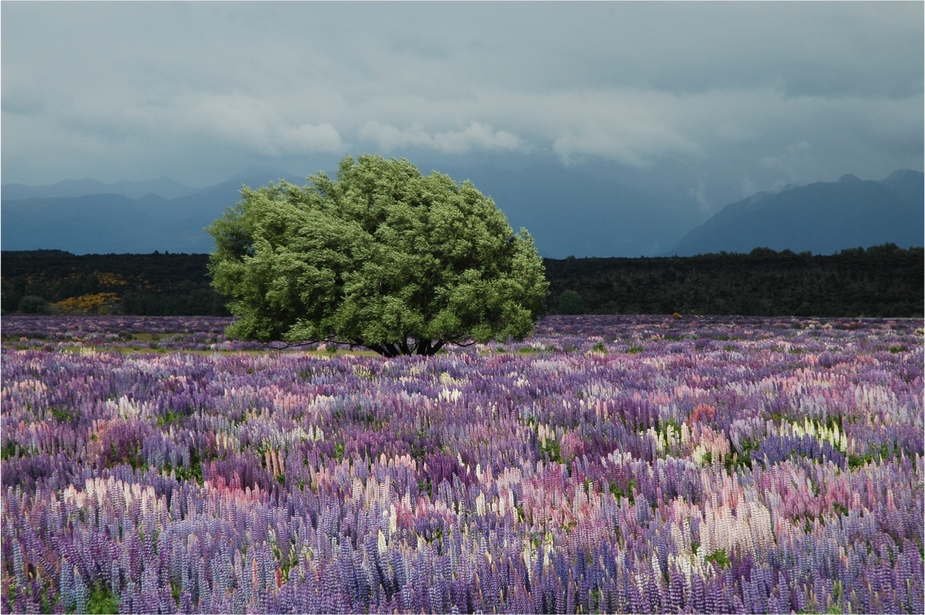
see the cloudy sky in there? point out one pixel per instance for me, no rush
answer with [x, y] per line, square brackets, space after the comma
[717, 99]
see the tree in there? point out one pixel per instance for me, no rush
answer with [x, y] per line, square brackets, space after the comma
[570, 302]
[32, 304]
[380, 257]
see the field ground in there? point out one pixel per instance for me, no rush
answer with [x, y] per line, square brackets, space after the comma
[606, 464]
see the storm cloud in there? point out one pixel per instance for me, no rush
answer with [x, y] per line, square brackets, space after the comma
[719, 99]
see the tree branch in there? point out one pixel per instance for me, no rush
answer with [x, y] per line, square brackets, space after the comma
[422, 347]
[288, 345]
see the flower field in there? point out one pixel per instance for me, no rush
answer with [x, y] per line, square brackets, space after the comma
[607, 464]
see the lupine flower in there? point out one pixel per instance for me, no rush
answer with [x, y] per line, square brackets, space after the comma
[760, 465]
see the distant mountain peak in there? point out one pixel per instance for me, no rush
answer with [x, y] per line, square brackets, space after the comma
[849, 179]
[253, 172]
[903, 174]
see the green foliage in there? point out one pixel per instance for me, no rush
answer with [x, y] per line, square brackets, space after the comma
[873, 282]
[571, 302]
[871, 456]
[171, 417]
[194, 472]
[381, 257]
[881, 281]
[154, 284]
[9, 450]
[32, 304]
[102, 600]
[550, 446]
[741, 458]
[620, 493]
[720, 557]
[425, 486]
[287, 560]
[62, 414]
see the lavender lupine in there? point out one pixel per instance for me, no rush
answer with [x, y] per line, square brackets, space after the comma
[702, 464]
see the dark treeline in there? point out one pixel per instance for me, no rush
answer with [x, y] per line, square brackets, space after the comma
[151, 284]
[883, 281]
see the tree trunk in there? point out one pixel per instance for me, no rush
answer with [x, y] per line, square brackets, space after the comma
[424, 348]
[427, 349]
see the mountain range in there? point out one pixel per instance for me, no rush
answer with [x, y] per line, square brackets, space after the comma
[821, 218]
[567, 212]
[163, 187]
[571, 213]
[116, 223]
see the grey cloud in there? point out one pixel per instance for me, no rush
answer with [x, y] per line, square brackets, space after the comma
[22, 101]
[475, 136]
[715, 90]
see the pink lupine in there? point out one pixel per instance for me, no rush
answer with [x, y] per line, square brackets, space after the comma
[444, 458]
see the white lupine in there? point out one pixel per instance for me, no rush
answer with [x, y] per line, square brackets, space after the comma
[833, 435]
[529, 556]
[480, 504]
[449, 395]
[129, 409]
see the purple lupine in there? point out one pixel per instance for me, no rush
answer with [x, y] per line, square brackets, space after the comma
[438, 440]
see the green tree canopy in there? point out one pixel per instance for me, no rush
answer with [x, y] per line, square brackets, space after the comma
[381, 257]
[570, 302]
[32, 304]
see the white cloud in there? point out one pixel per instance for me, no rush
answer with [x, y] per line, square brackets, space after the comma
[698, 193]
[309, 138]
[792, 158]
[389, 138]
[632, 126]
[236, 118]
[747, 187]
[252, 122]
[571, 146]
[635, 148]
[476, 136]
[733, 133]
